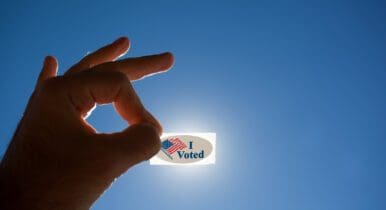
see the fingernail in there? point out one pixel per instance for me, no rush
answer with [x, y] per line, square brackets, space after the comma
[47, 60]
[170, 61]
[166, 53]
[121, 40]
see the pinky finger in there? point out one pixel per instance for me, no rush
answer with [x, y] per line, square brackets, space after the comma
[50, 69]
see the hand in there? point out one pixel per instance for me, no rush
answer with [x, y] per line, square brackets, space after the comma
[56, 160]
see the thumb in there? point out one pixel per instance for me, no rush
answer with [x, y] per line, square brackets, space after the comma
[133, 145]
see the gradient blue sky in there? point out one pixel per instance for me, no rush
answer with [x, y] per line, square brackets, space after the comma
[295, 90]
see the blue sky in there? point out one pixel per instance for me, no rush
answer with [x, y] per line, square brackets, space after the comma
[295, 90]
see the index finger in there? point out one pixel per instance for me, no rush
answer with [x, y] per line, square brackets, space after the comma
[102, 87]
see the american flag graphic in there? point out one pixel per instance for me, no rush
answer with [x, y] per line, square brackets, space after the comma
[171, 145]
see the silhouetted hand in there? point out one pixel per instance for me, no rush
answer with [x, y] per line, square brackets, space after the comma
[56, 160]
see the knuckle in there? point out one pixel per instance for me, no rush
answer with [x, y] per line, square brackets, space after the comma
[112, 71]
[118, 77]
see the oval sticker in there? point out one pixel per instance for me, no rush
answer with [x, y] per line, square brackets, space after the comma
[186, 149]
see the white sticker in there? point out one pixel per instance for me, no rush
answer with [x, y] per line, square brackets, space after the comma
[186, 149]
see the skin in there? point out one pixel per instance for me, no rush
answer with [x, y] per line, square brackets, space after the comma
[56, 160]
